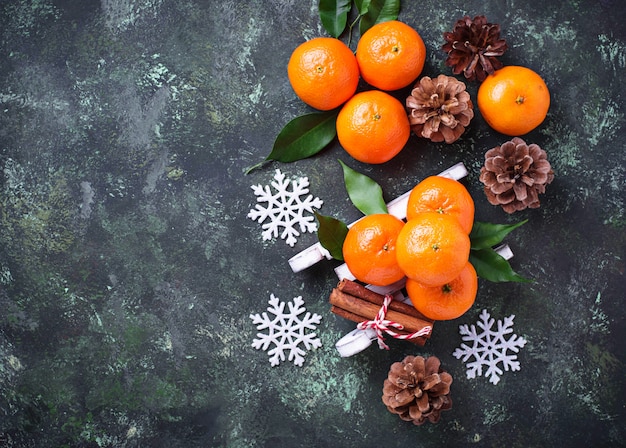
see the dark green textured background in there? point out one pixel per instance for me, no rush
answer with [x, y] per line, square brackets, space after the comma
[124, 320]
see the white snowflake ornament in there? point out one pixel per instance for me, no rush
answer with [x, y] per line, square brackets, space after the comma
[286, 330]
[489, 347]
[285, 208]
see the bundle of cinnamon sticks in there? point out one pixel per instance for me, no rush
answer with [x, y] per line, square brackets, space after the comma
[355, 302]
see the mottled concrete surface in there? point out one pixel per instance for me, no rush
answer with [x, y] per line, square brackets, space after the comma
[129, 270]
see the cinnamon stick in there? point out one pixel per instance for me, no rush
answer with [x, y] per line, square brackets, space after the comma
[369, 310]
[421, 340]
[347, 314]
[357, 290]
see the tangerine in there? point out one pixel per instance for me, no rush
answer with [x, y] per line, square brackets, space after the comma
[447, 301]
[514, 100]
[323, 72]
[391, 55]
[369, 249]
[373, 127]
[432, 248]
[442, 195]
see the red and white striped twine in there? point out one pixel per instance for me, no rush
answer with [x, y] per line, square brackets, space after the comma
[382, 325]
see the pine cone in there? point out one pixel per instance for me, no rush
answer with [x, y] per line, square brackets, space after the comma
[440, 108]
[515, 174]
[417, 389]
[473, 46]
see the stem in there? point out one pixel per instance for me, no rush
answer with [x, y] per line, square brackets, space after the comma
[351, 26]
[255, 166]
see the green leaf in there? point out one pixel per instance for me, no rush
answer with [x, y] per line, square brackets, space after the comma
[485, 235]
[334, 15]
[365, 194]
[493, 267]
[362, 6]
[331, 233]
[378, 11]
[304, 136]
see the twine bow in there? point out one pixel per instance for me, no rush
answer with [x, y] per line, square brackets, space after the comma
[381, 325]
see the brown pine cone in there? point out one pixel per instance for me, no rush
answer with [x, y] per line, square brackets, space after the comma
[440, 108]
[515, 174]
[417, 389]
[473, 46]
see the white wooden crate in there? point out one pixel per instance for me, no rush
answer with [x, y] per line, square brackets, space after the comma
[397, 207]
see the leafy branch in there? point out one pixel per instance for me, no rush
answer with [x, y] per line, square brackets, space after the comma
[308, 134]
[334, 15]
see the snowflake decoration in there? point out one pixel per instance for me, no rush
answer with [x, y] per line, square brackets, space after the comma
[286, 331]
[489, 347]
[285, 208]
